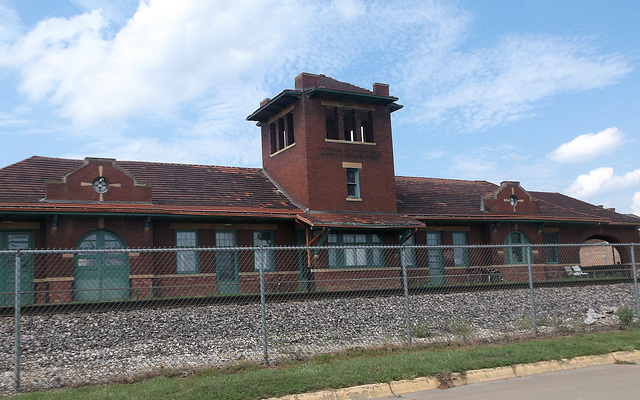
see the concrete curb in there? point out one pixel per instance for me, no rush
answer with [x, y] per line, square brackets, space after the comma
[464, 378]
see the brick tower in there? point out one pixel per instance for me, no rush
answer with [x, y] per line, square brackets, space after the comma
[328, 145]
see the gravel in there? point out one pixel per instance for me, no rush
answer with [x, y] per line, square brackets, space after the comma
[77, 349]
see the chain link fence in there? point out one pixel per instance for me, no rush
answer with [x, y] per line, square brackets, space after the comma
[93, 316]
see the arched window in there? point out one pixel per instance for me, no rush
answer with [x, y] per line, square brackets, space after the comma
[516, 254]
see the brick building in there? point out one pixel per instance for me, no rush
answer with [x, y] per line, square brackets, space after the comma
[327, 179]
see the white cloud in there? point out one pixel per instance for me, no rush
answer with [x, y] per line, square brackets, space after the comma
[588, 146]
[486, 87]
[602, 180]
[635, 206]
[118, 11]
[492, 163]
[172, 52]
[172, 61]
[9, 23]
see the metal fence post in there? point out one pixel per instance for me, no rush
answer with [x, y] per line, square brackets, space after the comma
[531, 295]
[17, 353]
[406, 303]
[635, 280]
[265, 358]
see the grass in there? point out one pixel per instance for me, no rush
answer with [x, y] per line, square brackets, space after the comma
[353, 367]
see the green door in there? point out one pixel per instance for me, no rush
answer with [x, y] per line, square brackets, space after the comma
[436, 259]
[227, 280]
[101, 276]
[16, 241]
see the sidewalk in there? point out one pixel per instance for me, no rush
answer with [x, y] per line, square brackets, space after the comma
[615, 375]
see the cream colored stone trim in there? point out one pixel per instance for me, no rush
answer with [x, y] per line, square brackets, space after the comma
[281, 114]
[61, 279]
[349, 142]
[183, 276]
[356, 165]
[269, 273]
[347, 104]
[282, 149]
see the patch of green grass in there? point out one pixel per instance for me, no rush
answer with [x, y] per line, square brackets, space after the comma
[625, 315]
[353, 367]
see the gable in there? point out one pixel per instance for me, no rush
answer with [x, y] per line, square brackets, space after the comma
[98, 180]
[510, 197]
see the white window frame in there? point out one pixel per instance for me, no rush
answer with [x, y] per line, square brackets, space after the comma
[187, 262]
[460, 254]
[263, 259]
[353, 181]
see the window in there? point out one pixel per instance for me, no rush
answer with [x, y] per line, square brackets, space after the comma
[348, 124]
[263, 259]
[366, 128]
[362, 255]
[331, 121]
[516, 255]
[408, 255]
[357, 256]
[460, 254]
[353, 182]
[552, 251]
[187, 261]
[281, 133]
[350, 131]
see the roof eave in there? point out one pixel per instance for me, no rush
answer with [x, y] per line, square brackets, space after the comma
[367, 97]
[282, 100]
[521, 218]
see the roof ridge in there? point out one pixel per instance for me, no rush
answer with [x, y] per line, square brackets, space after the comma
[117, 161]
[185, 164]
[444, 179]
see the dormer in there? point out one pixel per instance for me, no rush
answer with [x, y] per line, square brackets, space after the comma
[328, 145]
[98, 180]
[510, 197]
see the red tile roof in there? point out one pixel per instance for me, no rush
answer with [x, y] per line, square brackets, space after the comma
[201, 190]
[176, 188]
[450, 199]
[440, 197]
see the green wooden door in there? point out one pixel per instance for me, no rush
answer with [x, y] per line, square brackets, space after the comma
[227, 279]
[436, 259]
[16, 241]
[101, 276]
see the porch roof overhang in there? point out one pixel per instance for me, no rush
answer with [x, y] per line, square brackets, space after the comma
[342, 95]
[142, 209]
[522, 218]
[359, 221]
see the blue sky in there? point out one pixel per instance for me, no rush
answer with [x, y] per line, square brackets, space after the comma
[541, 92]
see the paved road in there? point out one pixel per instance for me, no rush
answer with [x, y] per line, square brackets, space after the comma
[617, 382]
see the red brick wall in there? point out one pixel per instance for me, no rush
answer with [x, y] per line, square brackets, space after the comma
[312, 174]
